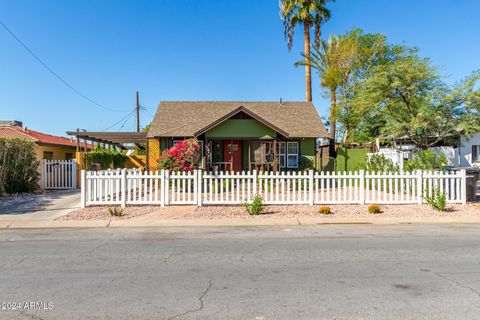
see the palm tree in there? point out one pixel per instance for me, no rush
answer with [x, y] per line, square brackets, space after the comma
[310, 13]
[333, 61]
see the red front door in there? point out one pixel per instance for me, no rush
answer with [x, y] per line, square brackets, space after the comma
[232, 152]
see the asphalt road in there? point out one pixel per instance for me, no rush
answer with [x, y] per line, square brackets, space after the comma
[324, 272]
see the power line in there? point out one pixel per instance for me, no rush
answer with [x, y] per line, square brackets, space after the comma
[121, 127]
[128, 116]
[56, 74]
[146, 111]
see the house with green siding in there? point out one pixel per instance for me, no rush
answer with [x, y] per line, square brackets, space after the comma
[239, 136]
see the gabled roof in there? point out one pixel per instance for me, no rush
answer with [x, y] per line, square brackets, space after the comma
[34, 136]
[192, 118]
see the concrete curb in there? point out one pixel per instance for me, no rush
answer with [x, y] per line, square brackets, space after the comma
[250, 222]
[5, 223]
[204, 222]
[27, 224]
[389, 220]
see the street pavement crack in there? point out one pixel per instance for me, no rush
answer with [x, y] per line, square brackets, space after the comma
[438, 274]
[94, 249]
[165, 259]
[200, 300]
[31, 316]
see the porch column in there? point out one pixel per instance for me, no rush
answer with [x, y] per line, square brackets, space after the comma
[206, 146]
[275, 162]
[249, 154]
[231, 155]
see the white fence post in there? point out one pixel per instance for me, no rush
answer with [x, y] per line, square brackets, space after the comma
[310, 187]
[83, 188]
[162, 188]
[419, 186]
[361, 186]
[195, 186]
[199, 188]
[166, 190]
[123, 188]
[463, 191]
[254, 184]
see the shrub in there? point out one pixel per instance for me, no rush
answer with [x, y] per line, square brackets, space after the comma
[374, 208]
[18, 166]
[183, 156]
[256, 206]
[117, 212]
[378, 163]
[305, 163]
[437, 200]
[324, 210]
[426, 160]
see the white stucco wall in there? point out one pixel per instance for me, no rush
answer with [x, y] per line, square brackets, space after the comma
[465, 149]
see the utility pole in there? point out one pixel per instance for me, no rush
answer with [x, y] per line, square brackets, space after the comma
[137, 109]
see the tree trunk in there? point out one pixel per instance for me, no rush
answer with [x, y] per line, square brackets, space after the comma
[333, 122]
[308, 68]
[346, 136]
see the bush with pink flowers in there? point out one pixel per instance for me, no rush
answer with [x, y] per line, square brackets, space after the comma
[182, 156]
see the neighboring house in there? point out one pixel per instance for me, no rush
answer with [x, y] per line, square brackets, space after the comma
[469, 151]
[462, 151]
[239, 135]
[47, 146]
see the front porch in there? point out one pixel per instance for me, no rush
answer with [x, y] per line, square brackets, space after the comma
[236, 154]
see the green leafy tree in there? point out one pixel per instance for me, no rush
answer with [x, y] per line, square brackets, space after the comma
[340, 62]
[309, 14]
[332, 61]
[408, 98]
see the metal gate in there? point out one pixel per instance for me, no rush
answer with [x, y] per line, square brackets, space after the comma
[58, 174]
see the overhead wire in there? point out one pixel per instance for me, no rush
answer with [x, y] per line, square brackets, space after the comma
[126, 118]
[56, 74]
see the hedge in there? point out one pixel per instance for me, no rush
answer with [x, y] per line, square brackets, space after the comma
[18, 166]
[106, 158]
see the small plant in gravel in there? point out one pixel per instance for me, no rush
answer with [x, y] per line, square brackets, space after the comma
[256, 207]
[116, 212]
[324, 210]
[438, 199]
[374, 209]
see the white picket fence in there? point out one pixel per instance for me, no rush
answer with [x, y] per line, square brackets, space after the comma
[58, 174]
[133, 187]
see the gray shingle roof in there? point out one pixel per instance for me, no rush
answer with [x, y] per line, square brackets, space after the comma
[188, 118]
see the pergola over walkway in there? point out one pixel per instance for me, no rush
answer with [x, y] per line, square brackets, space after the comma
[112, 138]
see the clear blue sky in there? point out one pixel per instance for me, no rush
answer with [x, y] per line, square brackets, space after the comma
[193, 50]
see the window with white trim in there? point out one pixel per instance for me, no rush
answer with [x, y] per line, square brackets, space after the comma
[292, 154]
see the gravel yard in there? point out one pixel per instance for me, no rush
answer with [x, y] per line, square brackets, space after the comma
[338, 211]
[101, 213]
[221, 212]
